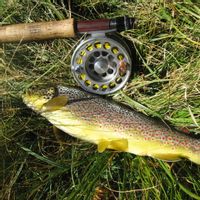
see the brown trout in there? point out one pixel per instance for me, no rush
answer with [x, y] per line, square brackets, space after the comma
[110, 125]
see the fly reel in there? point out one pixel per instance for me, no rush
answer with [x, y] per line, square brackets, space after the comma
[101, 63]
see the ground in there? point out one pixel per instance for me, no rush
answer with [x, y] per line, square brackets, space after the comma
[38, 164]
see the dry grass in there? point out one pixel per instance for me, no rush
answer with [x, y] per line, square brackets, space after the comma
[37, 165]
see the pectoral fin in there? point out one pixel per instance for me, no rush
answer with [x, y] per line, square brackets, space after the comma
[55, 104]
[56, 130]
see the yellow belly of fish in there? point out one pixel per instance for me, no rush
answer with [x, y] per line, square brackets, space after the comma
[108, 138]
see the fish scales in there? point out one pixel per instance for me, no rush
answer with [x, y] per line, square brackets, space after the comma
[123, 120]
[105, 113]
[120, 122]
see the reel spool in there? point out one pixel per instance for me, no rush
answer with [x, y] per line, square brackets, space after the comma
[101, 63]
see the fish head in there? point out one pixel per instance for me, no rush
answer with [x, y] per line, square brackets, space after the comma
[36, 98]
[53, 98]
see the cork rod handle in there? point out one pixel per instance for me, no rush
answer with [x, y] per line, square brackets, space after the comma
[37, 31]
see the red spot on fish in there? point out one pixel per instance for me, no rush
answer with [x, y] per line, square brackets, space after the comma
[169, 138]
[185, 130]
[183, 143]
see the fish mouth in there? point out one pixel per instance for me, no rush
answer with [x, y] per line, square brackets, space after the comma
[25, 97]
[28, 100]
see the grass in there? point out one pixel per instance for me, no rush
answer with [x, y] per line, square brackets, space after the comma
[36, 164]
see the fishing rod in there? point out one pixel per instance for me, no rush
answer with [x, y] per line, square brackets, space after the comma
[101, 62]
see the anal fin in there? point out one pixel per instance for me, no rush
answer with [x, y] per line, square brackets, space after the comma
[167, 157]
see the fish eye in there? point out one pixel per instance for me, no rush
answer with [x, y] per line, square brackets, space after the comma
[50, 91]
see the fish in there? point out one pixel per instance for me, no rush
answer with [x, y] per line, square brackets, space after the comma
[111, 125]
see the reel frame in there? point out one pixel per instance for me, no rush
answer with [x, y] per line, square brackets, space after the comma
[102, 63]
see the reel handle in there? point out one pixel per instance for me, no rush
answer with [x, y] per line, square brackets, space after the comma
[37, 31]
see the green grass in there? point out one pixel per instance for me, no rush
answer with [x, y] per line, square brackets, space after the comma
[36, 164]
